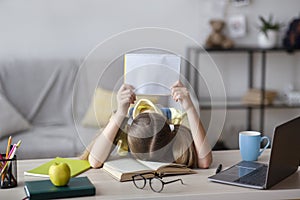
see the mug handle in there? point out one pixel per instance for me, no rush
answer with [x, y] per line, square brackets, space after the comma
[266, 146]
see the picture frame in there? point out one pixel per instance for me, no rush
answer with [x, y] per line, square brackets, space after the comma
[239, 3]
[236, 26]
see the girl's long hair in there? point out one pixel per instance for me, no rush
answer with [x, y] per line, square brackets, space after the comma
[151, 138]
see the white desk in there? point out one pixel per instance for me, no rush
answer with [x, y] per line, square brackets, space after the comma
[196, 185]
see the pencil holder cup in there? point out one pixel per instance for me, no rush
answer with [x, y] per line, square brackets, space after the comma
[9, 174]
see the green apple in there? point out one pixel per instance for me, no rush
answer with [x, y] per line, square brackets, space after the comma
[59, 174]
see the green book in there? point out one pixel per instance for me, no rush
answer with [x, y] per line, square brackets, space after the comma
[77, 166]
[44, 189]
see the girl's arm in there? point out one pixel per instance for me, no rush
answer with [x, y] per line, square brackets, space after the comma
[203, 149]
[103, 143]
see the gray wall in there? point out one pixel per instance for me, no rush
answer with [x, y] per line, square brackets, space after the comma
[73, 28]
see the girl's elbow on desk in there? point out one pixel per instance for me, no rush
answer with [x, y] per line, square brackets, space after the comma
[94, 162]
[205, 163]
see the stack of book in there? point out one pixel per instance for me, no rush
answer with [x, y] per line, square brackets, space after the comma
[254, 97]
[44, 189]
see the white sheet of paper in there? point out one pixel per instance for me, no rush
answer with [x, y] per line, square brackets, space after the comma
[151, 74]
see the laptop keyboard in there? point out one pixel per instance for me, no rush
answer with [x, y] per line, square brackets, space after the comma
[256, 177]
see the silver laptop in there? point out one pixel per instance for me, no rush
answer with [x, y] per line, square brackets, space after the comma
[284, 161]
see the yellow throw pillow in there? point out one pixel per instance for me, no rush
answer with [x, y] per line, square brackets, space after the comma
[103, 104]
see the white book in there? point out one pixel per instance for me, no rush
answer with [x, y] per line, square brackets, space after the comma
[151, 74]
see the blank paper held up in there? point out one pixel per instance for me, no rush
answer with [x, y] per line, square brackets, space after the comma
[151, 74]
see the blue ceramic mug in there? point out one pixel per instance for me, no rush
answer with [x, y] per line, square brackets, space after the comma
[249, 143]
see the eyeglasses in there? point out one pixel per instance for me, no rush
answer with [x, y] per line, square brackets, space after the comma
[155, 181]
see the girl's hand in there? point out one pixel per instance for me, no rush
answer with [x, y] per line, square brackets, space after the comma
[180, 93]
[125, 97]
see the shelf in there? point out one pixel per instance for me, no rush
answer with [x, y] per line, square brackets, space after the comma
[236, 104]
[241, 49]
[194, 52]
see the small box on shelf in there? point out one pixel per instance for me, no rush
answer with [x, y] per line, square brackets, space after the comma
[254, 97]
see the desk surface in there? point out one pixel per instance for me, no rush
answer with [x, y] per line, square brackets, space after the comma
[196, 185]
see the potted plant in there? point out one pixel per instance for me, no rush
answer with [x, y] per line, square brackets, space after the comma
[267, 37]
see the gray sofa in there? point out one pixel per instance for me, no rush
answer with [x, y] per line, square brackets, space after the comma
[44, 103]
[37, 107]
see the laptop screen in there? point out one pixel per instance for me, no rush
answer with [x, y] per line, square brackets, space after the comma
[284, 161]
[285, 151]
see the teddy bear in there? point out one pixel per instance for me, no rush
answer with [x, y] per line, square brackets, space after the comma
[217, 39]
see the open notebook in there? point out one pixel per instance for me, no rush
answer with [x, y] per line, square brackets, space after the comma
[124, 168]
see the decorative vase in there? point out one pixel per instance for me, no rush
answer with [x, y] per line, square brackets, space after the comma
[268, 41]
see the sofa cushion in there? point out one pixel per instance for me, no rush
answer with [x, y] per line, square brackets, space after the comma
[102, 105]
[51, 141]
[11, 121]
[41, 90]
